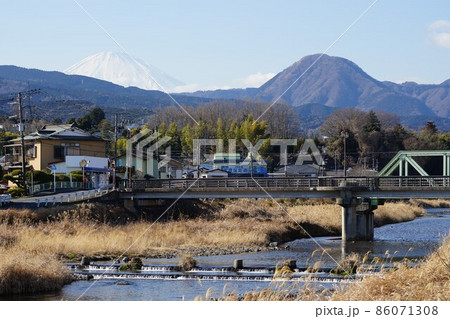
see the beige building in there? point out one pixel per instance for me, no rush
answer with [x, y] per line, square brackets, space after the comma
[52, 144]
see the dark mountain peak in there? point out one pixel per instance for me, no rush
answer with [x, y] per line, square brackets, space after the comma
[326, 61]
[323, 79]
[339, 82]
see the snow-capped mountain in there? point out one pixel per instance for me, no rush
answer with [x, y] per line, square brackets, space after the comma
[121, 69]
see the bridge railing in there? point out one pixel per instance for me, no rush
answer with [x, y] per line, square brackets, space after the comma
[222, 183]
[379, 182]
[371, 182]
[420, 181]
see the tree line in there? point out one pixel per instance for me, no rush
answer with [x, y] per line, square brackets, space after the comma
[371, 138]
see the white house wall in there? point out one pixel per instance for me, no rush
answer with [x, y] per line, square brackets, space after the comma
[73, 161]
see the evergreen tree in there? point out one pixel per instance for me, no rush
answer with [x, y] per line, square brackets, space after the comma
[221, 131]
[162, 128]
[175, 141]
[90, 121]
[373, 124]
[186, 140]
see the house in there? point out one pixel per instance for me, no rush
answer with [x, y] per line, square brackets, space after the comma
[235, 166]
[96, 169]
[52, 143]
[305, 170]
[144, 165]
[193, 172]
[213, 173]
[171, 169]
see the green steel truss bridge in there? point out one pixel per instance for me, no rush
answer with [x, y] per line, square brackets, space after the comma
[404, 159]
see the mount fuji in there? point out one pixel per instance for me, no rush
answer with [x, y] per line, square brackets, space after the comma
[121, 69]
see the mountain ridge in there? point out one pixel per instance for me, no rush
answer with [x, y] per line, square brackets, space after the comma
[60, 88]
[339, 82]
[330, 83]
[119, 68]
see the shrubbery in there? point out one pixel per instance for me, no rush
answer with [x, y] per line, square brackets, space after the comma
[39, 177]
[62, 178]
[16, 191]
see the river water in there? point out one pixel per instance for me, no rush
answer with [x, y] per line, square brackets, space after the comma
[414, 239]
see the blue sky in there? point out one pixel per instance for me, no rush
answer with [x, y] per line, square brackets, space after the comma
[210, 44]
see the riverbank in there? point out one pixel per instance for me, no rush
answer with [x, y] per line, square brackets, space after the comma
[104, 232]
[100, 231]
[28, 273]
[429, 280]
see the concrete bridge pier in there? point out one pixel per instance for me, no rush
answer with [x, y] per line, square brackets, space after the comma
[130, 205]
[357, 218]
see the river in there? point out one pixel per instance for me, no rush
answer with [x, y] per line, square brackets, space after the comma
[414, 239]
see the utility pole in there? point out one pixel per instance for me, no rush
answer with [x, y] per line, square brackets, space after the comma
[22, 141]
[115, 151]
[251, 165]
[344, 134]
[20, 96]
[335, 164]
[157, 156]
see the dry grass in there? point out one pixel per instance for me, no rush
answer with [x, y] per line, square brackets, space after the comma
[27, 272]
[278, 291]
[430, 203]
[30, 239]
[24, 270]
[429, 281]
[187, 263]
[89, 230]
[397, 212]
[93, 239]
[322, 219]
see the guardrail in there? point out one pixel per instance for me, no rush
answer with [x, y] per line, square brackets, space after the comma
[5, 199]
[374, 182]
[73, 197]
[66, 185]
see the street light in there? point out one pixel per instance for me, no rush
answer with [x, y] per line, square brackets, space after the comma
[344, 134]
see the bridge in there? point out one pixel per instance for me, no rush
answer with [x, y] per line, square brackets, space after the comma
[358, 196]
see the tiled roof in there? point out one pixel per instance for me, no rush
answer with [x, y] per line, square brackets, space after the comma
[60, 132]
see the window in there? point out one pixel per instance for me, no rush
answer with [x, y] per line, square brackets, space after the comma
[58, 152]
[64, 149]
[31, 151]
[72, 150]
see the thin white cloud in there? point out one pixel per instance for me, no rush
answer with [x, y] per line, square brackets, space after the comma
[439, 33]
[440, 25]
[253, 80]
